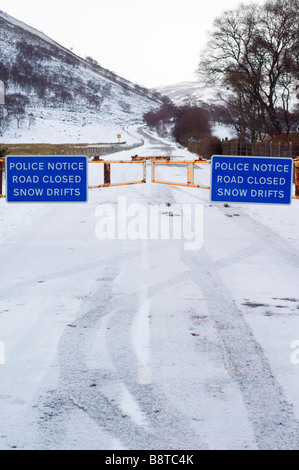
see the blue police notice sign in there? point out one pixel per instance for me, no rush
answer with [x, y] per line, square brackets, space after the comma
[46, 179]
[251, 179]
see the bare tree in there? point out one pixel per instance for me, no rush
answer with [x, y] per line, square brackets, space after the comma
[253, 50]
[31, 120]
[4, 120]
[3, 151]
[191, 123]
[16, 106]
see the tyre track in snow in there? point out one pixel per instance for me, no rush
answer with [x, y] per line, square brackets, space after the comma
[164, 148]
[89, 390]
[167, 427]
[271, 415]
[164, 427]
[95, 389]
[265, 238]
[97, 383]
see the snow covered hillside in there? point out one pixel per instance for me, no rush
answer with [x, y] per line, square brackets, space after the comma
[197, 94]
[142, 343]
[54, 96]
[190, 93]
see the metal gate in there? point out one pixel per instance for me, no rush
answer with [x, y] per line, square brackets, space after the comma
[189, 175]
[161, 160]
[107, 172]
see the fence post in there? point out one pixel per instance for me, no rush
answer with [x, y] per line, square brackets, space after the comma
[296, 168]
[107, 173]
[190, 173]
[153, 171]
[1, 175]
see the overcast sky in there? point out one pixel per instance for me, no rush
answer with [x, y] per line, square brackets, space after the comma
[150, 42]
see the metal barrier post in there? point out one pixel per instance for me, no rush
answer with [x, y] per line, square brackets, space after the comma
[107, 173]
[153, 171]
[190, 173]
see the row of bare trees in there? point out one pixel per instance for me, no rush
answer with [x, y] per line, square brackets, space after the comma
[182, 122]
[15, 112]
[253, 51]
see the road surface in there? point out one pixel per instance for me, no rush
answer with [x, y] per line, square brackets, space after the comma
[130, 343]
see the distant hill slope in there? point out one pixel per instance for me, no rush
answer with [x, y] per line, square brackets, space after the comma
[197, 94]
[53, 95]
[191, 93]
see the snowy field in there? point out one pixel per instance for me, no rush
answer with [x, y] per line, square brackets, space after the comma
[124, 343]
[73, 128]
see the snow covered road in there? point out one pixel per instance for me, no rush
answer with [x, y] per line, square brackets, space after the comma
[141, 343]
